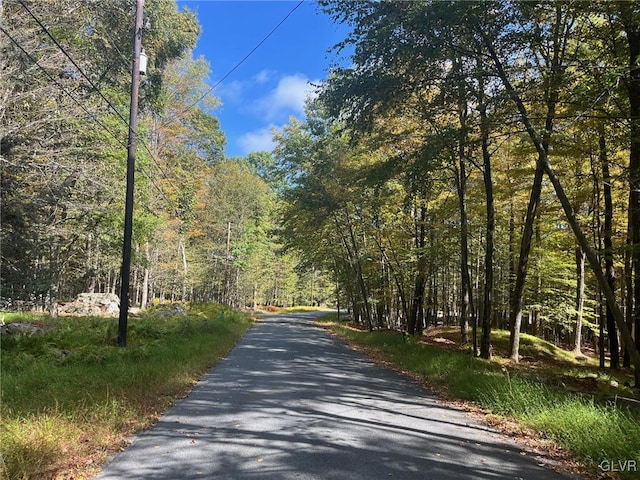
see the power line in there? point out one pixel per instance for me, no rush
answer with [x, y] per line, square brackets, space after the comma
[45, 30]
[111, 106]
[237, 65]
[91, 115]
[216, 85]
[62, 49]
[61, 87]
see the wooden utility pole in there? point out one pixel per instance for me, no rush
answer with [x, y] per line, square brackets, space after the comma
[131, 162]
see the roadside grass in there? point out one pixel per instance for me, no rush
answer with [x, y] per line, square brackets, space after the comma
[70, 396]
[590, 429]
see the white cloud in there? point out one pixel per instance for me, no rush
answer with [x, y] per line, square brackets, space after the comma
[287, 98]
[263, 76]
[236, 90]
[257, 141]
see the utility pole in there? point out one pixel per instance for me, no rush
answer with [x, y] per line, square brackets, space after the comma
[131, 162]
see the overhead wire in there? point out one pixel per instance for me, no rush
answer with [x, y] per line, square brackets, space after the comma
[57, 44]
[216, 85]
[91, 115]
[239, 63]
[86, 77]
[61, 87]
[110, 104]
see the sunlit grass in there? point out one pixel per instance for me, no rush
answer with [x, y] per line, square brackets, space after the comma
[69, 395]
[588, 428]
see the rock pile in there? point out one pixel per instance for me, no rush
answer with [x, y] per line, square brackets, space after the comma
[92, 304]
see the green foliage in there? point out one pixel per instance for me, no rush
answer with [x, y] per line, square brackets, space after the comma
[63, 147]
[74, 379]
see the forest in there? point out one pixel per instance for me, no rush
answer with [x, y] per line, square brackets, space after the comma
[475, 164]
[205, 226]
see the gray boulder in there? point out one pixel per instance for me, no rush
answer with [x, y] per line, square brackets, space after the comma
[93, 304]
[21, 328]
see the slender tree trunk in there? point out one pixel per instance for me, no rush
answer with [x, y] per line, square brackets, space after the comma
[51, 302]
[361, 282]
[632, 29]
[601, 325]
[416, 317]
[135, 285]
[512, 261]
[628, 297]
[255, 296]
[610, 274]
[144, 301]
[577, 332]
[485, 342]
[90, 284]
[517, 296]
[185, 269]
[466, 297]
[226, 293]
[114, 281]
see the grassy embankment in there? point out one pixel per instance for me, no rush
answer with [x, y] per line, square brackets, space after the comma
[70, 397]
[551, 395]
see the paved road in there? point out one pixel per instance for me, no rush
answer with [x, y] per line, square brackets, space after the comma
[292, 402]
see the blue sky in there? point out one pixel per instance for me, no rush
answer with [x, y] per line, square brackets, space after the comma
[272, 84]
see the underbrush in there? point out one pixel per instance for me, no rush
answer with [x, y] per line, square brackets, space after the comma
[70, 394]
[592, 431]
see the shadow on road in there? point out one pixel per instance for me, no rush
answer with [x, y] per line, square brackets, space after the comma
[292, 402]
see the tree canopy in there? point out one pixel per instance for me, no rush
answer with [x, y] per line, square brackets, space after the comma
[474, 164]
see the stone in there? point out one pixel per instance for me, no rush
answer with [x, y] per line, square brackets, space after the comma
[20, 328]
[89, 304]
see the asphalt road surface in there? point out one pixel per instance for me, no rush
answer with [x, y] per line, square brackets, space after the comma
[292, 402]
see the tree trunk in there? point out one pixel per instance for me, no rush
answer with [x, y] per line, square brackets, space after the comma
[571, 218]
[416, 315]
[632, 30]
[145, 281]
[226, 294]
[183, 256]
[517, 295]
[601, 325]
[255, 296]
[577, 332]
[90, 283]
[485, 341]
[466, 297]
[614, 348]
[512, 262]
[628, 296]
